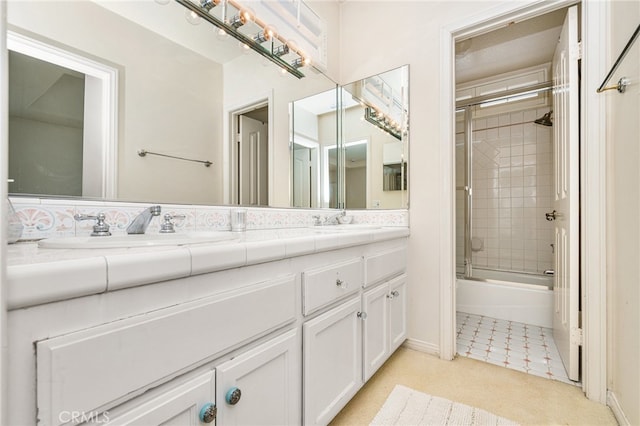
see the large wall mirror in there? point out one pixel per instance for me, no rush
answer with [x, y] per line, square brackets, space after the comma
[361, 160]
[137, 77]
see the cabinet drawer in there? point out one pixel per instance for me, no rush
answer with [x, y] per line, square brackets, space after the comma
[384, 265]
[98, 367]
[323, 286]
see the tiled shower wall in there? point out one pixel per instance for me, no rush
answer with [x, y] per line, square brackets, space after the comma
[512, 191]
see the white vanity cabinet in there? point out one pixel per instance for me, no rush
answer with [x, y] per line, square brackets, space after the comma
[345, 345]
[332, 361]
[273, 342]
[385, 327]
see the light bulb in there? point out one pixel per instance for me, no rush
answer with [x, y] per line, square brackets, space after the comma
[243, 16]
[247, 15]
[244, 47]
[192, 17]
[221, 34]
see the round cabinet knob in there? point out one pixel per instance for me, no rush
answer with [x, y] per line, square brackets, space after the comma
[341, 283]
[395, 293]
[362, 315]
[208, 413]
[233, 396]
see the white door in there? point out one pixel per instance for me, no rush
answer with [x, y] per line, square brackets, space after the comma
[566, 196]
[301, 176]
[253, 162]
[262, 386]
[332, 352]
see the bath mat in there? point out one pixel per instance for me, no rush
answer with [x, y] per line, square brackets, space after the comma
[405, 406]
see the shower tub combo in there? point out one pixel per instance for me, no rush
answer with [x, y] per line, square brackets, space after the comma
[512, 296]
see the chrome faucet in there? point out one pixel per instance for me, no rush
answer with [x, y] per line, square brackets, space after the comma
[329, 220]
[141, 222]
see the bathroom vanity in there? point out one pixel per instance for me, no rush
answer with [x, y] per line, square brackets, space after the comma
[273, 327]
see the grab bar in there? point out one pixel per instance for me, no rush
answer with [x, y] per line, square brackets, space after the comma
[623, 82]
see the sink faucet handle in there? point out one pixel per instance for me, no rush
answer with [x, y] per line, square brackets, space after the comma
[167, 226]
[100, 229]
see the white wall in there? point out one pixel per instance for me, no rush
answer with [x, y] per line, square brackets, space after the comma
[623, 212]
[168, 106]
[415, 42]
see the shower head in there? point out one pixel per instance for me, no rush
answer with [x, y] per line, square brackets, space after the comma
[545, 120]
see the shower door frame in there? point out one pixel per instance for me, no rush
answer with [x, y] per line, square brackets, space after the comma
[467, 107]
[595, 17]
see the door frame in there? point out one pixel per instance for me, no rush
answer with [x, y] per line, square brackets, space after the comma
[594, 15]
[229, 148]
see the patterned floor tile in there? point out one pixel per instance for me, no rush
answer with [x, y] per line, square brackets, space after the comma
[522, 347]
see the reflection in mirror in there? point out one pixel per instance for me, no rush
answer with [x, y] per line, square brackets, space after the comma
[46, 113]
[176, 84]
[375, 133]
[314, 159]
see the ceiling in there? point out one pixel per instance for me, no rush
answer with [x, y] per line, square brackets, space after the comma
[516, 46]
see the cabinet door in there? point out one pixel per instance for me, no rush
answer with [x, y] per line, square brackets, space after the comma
[397, 312]
[178, 405]
[268, 381]
[332, 361]
[375, 329]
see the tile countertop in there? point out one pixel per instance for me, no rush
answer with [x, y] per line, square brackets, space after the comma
[38, 275]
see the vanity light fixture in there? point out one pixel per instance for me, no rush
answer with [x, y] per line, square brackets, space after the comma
[272, 51]
[383, 122]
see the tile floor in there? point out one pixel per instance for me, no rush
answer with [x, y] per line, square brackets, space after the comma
[518, 346]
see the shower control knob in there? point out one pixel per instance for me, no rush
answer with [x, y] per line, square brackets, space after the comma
[551, 216]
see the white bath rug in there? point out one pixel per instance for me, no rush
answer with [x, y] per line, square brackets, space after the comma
[405, 406]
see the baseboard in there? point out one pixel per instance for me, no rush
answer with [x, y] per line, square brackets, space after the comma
[421, 346]
[613, 403]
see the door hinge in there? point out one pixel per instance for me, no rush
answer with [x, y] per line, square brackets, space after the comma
[576, 336]
[576, 51]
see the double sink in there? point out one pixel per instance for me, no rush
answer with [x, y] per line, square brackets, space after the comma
[176, 239]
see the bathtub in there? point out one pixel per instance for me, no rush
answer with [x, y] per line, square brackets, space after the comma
[511, 296]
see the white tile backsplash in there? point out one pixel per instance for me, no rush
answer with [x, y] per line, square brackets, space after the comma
[46, 218]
